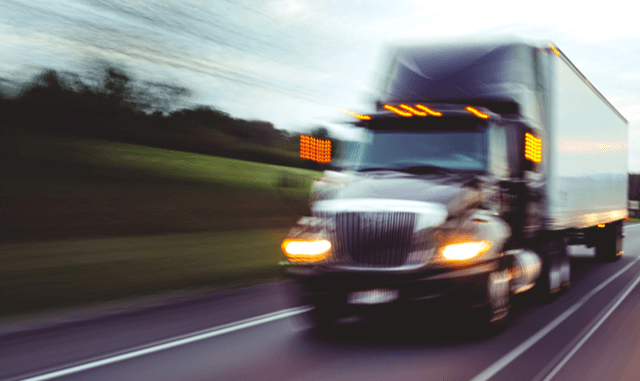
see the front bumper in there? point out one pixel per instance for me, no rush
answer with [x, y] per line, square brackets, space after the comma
[444, 288]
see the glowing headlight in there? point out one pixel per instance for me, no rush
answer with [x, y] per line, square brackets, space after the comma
[305, 250]
[466, 250]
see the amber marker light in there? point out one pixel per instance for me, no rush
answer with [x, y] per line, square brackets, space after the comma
[306, 250]
[355, 115]
[315, 149]
[324, 152]
[532, 148]
[476, 112]
[554, 49]
[413, 110]
[465, 250]
[428, 110]
[601, 225]
[397, 110]
[304, 147]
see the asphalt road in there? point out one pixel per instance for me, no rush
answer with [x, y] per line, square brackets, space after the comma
[590, 333]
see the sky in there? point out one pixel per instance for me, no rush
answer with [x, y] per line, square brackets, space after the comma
[298, 63]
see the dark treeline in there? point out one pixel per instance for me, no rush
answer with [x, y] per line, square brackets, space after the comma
[113, 105]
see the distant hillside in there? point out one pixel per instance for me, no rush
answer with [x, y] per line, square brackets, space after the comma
[115, 106]
[56, 186]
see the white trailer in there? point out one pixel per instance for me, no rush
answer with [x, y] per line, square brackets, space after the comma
[585, 159]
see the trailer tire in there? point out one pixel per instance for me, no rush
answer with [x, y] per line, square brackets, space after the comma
[609, 242]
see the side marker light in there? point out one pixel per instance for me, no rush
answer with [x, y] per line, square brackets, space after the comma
[428, 110]
[398, 111]
[554, 49]
[413, 110]
[356, 115]
[477, 113]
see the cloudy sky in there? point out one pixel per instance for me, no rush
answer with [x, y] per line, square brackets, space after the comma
[297, 63]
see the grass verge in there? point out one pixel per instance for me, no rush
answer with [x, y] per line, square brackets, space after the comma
[57, 274]
[57, 187]
[85, 220]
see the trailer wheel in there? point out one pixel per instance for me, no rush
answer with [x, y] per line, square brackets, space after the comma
[609, 242]
[556, 269]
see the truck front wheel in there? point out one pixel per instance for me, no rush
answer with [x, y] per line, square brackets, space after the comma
[609, 242]
[491, 318]
[322, 317]
[556, 268]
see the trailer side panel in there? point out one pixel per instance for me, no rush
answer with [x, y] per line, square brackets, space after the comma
[587, 155]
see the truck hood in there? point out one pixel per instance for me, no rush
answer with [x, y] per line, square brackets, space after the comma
[452, 191]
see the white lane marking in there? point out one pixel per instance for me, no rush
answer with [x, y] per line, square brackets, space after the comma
[242, 324]
[172, 343]
[592, 330]
[525, 345]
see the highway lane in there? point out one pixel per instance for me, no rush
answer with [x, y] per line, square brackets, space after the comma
[541, 340]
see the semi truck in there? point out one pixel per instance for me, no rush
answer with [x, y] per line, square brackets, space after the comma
[479, 164]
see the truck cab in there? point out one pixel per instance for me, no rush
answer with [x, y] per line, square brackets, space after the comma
[424, 214]
[457, 196]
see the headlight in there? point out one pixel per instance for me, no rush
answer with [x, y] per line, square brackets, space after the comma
[306, 250]
[465, 250]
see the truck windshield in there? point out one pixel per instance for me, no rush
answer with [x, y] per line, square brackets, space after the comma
[425, 150]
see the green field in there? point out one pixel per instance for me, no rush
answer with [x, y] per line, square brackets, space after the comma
[60, 187]
[50, 275]
[87, 220]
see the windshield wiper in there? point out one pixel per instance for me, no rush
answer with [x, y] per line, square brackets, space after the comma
[415, 170]
[372, 169]
[425, 169]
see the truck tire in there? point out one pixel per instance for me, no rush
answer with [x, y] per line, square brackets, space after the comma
[491, 319]
[321, 318]
[325, 309]
[609, 242]
[556, 268]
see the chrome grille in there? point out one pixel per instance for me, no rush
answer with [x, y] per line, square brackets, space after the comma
[378, 239]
